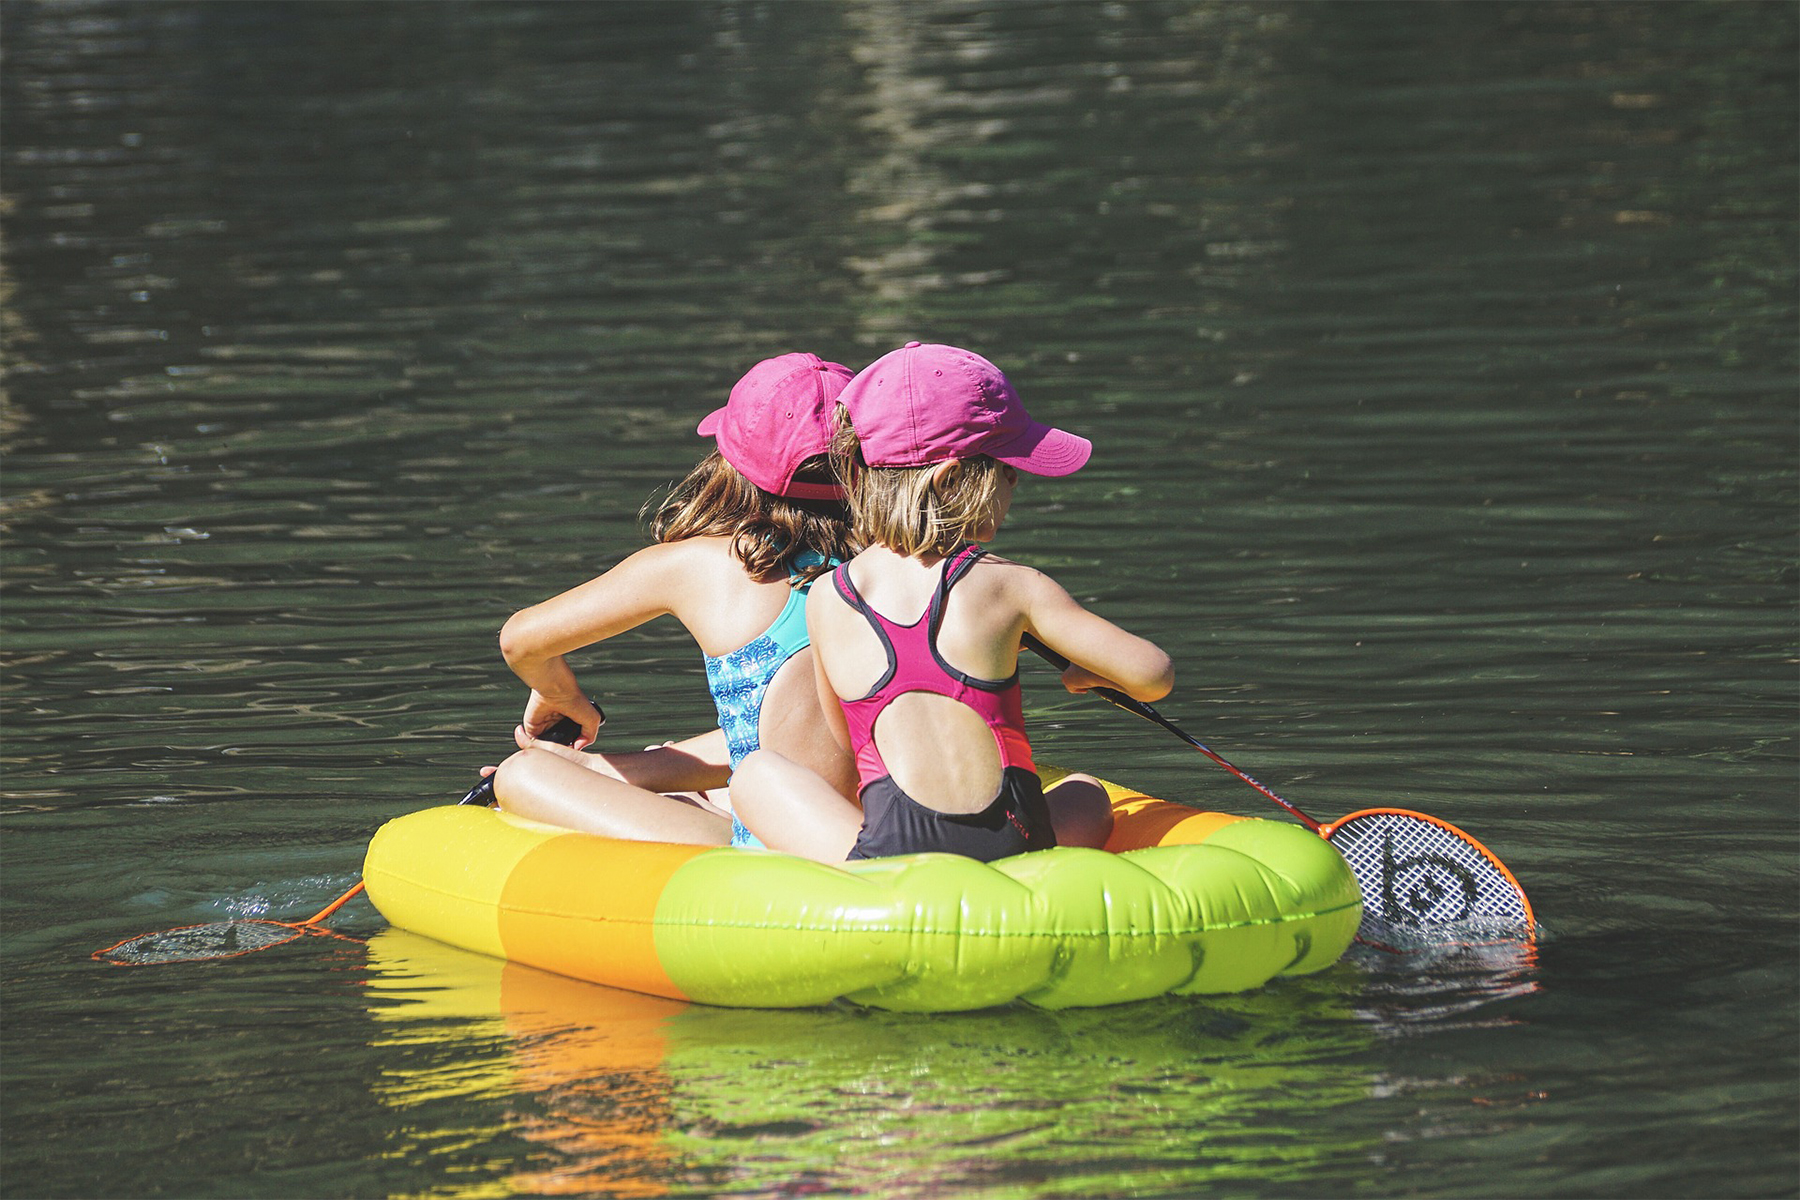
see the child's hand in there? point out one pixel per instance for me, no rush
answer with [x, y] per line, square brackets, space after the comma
[593, 762]
[541, 713]
[1080, 679]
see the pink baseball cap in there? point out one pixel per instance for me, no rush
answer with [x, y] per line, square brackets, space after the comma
[779, 415]
[923, 404]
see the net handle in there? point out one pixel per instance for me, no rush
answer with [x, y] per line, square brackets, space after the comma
[334, 905]
[1138, 708]
[565, 732]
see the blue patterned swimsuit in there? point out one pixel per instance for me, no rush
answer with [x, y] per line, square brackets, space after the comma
[740, 679]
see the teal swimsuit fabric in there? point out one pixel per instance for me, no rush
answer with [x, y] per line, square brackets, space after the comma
[740, 679]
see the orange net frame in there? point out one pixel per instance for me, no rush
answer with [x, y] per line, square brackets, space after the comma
[220, 939]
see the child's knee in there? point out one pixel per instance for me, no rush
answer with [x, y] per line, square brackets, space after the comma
[1081, 812]
[758, 769]
[752, 787]
[749, 767]
[518, 768]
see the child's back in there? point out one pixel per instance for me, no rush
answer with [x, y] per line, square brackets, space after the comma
[932, 705]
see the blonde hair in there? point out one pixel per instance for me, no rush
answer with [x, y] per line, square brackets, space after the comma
[914, 510]
[768, 532]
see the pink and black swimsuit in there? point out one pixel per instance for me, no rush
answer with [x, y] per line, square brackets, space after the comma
[895, 823]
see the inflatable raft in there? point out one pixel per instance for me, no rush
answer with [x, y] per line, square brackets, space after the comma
[1180, 902]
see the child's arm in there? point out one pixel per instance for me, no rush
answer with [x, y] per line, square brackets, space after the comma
[534, 640]
[702, 761]
[1100, 654]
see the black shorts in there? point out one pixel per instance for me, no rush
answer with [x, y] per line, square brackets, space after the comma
[894, 823]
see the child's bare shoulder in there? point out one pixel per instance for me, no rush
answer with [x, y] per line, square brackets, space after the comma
[659, 556]
[999, 568]
[683, 565]
[823, 594]
[1001, 574]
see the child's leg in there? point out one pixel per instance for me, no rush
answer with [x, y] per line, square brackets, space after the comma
[549, 787]
[1080, 812]
[792, 809]
[691, 765]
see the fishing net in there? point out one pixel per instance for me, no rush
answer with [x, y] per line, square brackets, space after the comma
[1418, 873]
[217, 939]
[220, 939]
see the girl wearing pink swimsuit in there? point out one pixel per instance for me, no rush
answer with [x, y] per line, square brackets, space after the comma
[893, 822]
[916, 644]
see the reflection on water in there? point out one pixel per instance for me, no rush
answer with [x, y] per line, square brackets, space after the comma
[631, 1095]
[1440, 364]
[1425, 987]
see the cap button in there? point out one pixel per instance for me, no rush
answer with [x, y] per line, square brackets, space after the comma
[912, 345]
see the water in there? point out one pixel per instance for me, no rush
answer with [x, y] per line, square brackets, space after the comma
[1440, 361]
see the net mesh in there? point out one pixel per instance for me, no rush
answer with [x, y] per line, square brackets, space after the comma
[219, 939]
[1417, 874]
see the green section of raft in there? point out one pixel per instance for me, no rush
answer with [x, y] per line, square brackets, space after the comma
[1061, 928]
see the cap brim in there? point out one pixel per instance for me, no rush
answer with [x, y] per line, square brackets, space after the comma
[709, 424]
[1043, 450]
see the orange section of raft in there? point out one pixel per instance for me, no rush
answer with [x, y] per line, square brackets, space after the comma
[585, 907]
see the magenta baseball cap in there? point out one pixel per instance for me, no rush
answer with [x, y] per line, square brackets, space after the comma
[779, 415]
[923, 404]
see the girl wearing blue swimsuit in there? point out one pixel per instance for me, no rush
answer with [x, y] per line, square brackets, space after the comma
[739, 541]
[740, 679]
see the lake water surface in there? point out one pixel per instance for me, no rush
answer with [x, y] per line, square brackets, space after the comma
[1440, 361]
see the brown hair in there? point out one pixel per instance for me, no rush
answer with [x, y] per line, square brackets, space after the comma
[905, 509]
[767, 532]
